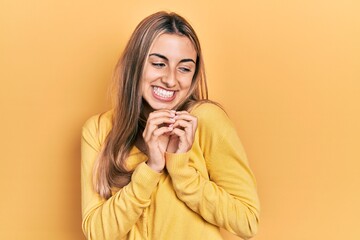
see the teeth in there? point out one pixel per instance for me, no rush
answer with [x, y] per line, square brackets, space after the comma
[163, 93]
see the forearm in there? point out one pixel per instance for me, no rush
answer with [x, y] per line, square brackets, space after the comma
[114, 218]
[213, 203]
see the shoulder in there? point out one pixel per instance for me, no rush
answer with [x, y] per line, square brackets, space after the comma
[97, 127]
[99, 121]
[210, 114]
[214, 126]
[213, 123]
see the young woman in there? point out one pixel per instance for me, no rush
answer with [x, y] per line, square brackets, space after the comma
[165, 163]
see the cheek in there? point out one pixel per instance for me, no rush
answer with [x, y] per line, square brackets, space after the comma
[151, 75]
[186, 82]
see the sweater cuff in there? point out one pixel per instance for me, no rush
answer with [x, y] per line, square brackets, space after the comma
[176, 163]
[144, 180]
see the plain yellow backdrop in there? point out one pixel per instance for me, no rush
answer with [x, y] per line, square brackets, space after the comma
[287, 72]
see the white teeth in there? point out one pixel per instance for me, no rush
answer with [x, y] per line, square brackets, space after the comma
[163, 93]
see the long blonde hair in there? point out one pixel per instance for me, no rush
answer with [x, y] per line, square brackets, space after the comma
[128, 118]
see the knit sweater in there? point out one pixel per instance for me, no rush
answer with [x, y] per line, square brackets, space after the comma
[208, 188]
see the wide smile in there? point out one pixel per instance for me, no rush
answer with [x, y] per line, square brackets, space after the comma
[163, 94]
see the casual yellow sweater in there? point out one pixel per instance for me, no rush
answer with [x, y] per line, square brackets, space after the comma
[210, 186]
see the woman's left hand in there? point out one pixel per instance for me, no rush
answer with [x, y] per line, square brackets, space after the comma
[183, 133]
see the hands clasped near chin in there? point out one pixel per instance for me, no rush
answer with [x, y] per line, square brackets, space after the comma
[168, 131]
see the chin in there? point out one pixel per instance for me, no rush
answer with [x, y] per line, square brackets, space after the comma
[162, 106]
[153, 105]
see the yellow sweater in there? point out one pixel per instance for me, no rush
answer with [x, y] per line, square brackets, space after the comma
[210, 186]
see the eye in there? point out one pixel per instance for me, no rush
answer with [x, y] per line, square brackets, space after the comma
[184, 69]
[158, 64]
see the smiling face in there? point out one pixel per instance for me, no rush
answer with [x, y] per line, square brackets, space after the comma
[168, 72]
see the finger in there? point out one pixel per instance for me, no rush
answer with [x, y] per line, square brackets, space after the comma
[160, 120]
[162, 113]
[183, 124]
[155, 123]
[160, 131]
[180, 133]
[154, 138]
[182, 112]
[188, 127]
[183, 120]
[184, 143]
[156, 116]
[186, 116]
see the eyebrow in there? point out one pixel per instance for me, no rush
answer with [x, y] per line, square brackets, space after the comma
[165, 58]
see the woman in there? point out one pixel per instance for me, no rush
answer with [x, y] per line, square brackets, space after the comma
[165, 163]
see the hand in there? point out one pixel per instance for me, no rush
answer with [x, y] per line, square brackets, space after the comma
[183, 134]
[156, 137]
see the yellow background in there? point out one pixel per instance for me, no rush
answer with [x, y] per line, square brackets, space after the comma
[287, 72]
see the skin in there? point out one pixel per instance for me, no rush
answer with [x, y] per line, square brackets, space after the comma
[166, 81]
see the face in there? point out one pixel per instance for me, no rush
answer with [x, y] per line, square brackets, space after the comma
[168, 71]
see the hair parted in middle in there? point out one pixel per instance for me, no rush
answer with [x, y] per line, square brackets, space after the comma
[128, 117]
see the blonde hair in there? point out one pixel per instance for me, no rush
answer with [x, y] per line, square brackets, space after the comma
[128, 118]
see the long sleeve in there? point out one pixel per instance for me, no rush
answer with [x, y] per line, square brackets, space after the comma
[112, 218]
[227, 197]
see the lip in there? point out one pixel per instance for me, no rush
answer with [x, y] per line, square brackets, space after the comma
[163, 99]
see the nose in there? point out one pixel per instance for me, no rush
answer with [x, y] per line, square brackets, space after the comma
[169, 80]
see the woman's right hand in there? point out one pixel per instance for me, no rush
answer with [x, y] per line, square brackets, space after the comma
[156, 137]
